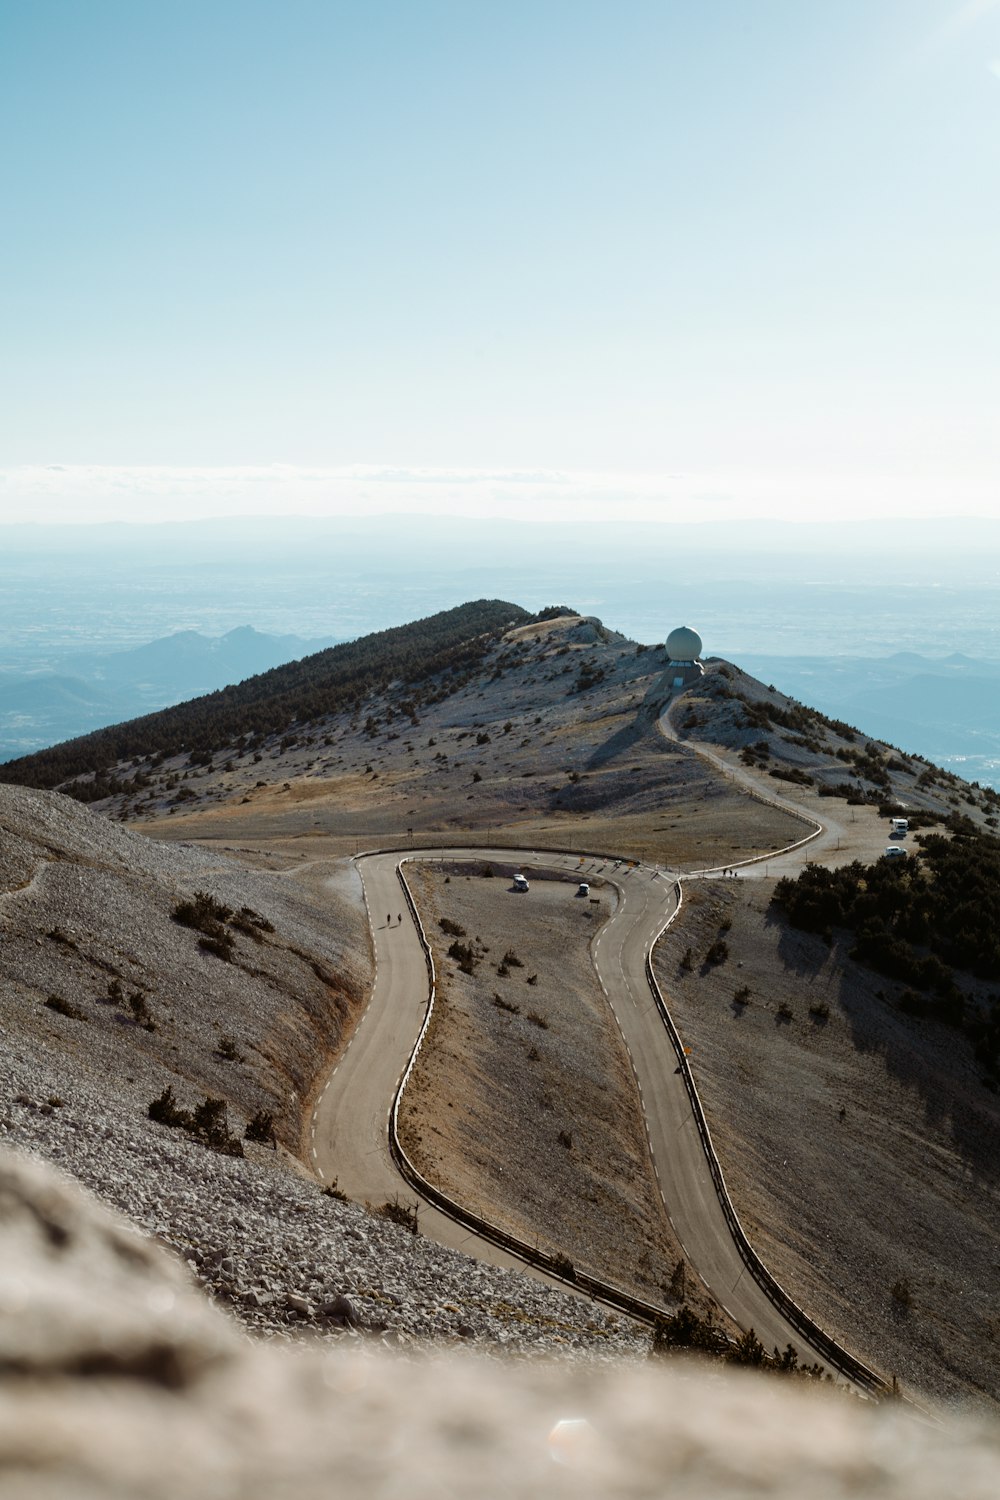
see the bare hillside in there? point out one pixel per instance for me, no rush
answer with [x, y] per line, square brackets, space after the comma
[95, 966]
[552, 740]
[87, 921]
[796, 749]
[860, 1145]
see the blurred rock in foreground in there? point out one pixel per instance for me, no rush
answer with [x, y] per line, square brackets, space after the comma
[117, 1379]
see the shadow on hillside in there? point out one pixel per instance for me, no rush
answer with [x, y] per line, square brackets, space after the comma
[617, 744]
[932, 1060]
[802, 953]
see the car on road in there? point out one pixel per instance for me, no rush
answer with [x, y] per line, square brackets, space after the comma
[895, 851]
[520, 882]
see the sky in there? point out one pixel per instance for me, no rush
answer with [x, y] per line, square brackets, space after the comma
[663, 261]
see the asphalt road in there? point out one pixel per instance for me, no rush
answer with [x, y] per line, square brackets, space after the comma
[351, 1123]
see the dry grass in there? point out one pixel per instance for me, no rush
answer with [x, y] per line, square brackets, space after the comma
[524, 1105]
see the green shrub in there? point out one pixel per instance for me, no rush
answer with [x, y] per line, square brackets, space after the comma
[207, 1123]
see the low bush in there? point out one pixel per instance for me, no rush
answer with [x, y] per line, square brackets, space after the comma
[403, 1214]
[464, 955]
[203, 913]
[207, 1123]
[140, 1011]
[261, 1130]
[65, 1008]
[222, 946]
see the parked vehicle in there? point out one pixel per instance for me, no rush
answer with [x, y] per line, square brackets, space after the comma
[583, 889]
[520, 882]
[894, 851]
[900, 828]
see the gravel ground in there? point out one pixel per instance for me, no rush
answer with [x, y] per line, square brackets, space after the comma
[86, 916]
[270, 1245]
[860, 1148]
[530, 1115]
[259, 1232]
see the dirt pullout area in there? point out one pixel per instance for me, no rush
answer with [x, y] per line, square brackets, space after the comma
[523, 1104]
[859, 1145]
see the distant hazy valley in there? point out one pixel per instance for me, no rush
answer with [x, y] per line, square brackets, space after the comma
[87, 689]
[100, 624]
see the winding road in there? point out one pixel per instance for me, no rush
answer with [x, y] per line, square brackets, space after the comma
[352, 1124]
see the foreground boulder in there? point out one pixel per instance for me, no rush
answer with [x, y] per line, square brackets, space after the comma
[117, 1379]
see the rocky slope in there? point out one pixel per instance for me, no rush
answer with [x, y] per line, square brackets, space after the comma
[86, 905]
[117, 1381]
[551, 740]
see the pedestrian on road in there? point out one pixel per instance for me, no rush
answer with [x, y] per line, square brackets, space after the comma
[399, 918]
[388, 919]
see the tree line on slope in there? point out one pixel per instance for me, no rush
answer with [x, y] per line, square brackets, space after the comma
[918, 921]
[452, 641]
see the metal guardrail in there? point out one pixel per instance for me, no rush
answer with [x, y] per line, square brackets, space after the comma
[821, 1342]
[840, 1358]
[552, 1265]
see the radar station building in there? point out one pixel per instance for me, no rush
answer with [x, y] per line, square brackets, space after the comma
[684, 649]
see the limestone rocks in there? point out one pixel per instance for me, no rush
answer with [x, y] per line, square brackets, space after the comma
[117, 1382]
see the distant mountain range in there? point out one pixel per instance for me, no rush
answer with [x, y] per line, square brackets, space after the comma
[89, 689]
[451, 642]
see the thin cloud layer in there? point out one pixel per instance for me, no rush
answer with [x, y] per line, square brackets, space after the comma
[57, 493]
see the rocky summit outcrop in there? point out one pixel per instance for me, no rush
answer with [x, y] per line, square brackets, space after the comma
[118, 1380]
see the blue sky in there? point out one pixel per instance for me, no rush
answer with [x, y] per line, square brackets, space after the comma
[734, 257]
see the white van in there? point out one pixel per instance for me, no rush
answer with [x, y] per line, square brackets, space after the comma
[900, 828]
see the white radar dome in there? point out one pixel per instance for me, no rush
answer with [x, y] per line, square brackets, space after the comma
[683, 644]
